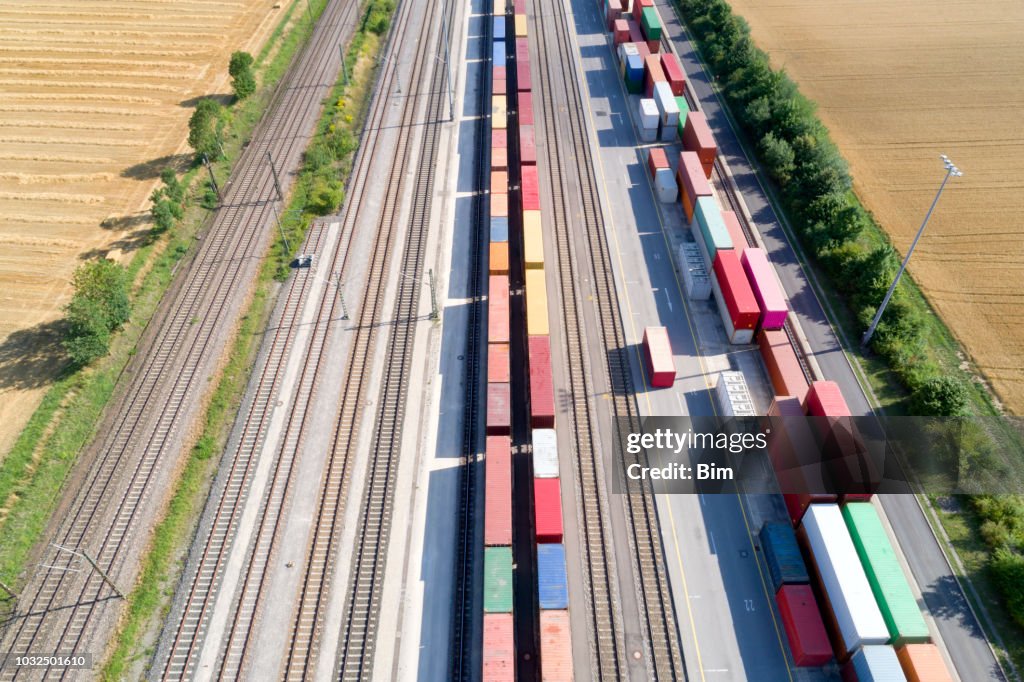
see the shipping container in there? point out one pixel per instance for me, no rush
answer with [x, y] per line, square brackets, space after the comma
[520, 25]
[497, 309]
[835, 564]
[499, 648]
[825, 399]
[499, 73]
[674, 74]
[696, 281]
[668, 112]
[499, 7]
[923, 663]
[499, 409]
[732, 225]
[499, 206]
[633, 73]
[497, 363]
[522, 49]
[499, 139]
[650, 24]
[499, 87]
[545, 453]
[542, 392]
[498, 32]
[782, 555]
[770, 298]
[661, 367]
[657, 160]
[555, 647]
[530, 188]
[808, 641]
[692, 182]
[525, 110]
[794, 457]
[536, 303]
[533, 240]
[647, 120]
[497, 579]
[784, 369]
[638, 8]
[547, 502]
[524, 77]
[620, 31]
[733, 395]
[712, 230]
[498, 491]
[684, 109]
[736, 292]
[613, 16]
[697, 137]
[499, 182]
[499, 229]
[875, 663]
[527, 146]
[498, 53]
[499, 159]
[665, 187]
[652, 74]
[499, 112]
[885, 575]
[520, 6]
[552, 589]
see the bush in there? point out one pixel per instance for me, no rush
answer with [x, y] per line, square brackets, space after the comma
[1008, 571]
[205, 128]
[243, 80]
[99, 306]
[940, 396]
[325, 196]
[777, 155]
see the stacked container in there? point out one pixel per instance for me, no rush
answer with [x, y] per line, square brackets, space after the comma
[651, 27]
[631, 66]
[684, 110]
[653, 74]
[647, 120]
[692, 183]
[855, 475]
[733, 395]
[661, 175]
[784, 369]
[613, 16]
[674, 73]
[732, 226]
[711, 232]
[922, 663]
[736, 302]
[874, 664]
[697, 137]
[767, 290]
[668, 112]
[695, 275]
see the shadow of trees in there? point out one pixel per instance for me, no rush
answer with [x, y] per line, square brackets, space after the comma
[150, 170]
[224, 99]
[31, 358]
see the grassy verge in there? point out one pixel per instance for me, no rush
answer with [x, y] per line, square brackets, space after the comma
[33, 473]
[149, 601]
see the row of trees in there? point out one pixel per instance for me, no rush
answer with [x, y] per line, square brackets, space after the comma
[815, 187]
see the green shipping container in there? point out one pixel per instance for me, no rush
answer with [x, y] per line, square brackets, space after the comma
[712, 227]
[498, 579]
[684, 109]
[650, 23]
[892, 592]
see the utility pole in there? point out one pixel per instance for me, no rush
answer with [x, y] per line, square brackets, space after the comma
[433, 294]
[280, 229]
[951, 172]
[9, 591]
[95, 567]
[277, 183]
[344, 70]
[448, 63]
[341, 297]
[213, 179]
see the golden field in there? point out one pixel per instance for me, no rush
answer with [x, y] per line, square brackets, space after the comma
[898, 83]
[95, 97]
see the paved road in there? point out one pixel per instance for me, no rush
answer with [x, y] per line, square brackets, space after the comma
[959, 629]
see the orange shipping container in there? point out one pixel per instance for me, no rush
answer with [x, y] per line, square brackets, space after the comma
[497, 363]
[784, 370]
[499, 205]
[923, 663]
[499, 182]
[499, 258]
[499, 158]
[555, 646]
[499, 650]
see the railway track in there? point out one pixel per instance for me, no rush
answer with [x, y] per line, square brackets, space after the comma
[569, 156]
[144, 439]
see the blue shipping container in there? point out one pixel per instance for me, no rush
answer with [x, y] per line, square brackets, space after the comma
[551, 582]
[499, 28]
[634, 68]
[877, 663]
[498, 53]
[499, 229]
[782, 554]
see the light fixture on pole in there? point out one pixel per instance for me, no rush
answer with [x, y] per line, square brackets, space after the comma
[951, 172]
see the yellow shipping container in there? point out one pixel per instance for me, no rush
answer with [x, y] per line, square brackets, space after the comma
[499, 7]
[520, 26]
[533, 240]
[536, 303]
[499, 113]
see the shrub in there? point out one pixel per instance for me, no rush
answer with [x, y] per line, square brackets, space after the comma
[940, 396]
[243, 80]
[99, 306]
[1008, 571]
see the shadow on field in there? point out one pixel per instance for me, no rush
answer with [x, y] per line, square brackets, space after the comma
[224, 99]
[150, 170]
[30, 358]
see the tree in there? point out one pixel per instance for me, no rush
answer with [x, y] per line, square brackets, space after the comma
[243, 80]
[99, 305]
[205, 127]
[1008, 570]
[87, 336]
[939, 396]
[778, 157]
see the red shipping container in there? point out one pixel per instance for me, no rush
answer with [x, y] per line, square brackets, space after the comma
[499, 87]
[499, 410]
[525, 109]
[499, 205]
[620, 31]
[805, 630]
[555, 646]
[636, 35]
[824, 399]
[520, 6]
[661, 368]
[499, 159]
[652, 73]
[497, 309]
[638, 8]
[732, 224]
[498, 491]
[524, 81]
[673, 72]
[739, 298]
[499, 139]
[499, 648]
[498, 73]
[547, 503]
[692, 182]
[527, 145]
[697, 137]
[656, 160]
[643, 49]
[522, 50]
[542, 392]
[783, 367]
[531, 189]
[499, 182]
[613, 15]
[497, 363]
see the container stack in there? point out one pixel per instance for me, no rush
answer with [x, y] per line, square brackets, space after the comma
[695, 275]
[732, 226]
[769, 294]
[668, 111]
[661, 175]
[697, 137]
[736, 302]
[647, 120]
[784, 369]
[710, 231]
[692, 183]
[653, 74]
[733, 395]
[674, 74]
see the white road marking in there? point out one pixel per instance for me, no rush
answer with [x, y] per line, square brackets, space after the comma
[668, 299]
[711, 537]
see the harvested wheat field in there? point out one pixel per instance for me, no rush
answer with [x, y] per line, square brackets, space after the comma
[95, 97]
[898, 83]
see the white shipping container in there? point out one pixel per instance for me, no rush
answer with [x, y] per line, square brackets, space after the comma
[545, 453]
[733, 395]
[695, 276]
[626, 49]
[735, 336]
[665, 185]
[648, 114]
[853, 603]
[668, 111]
